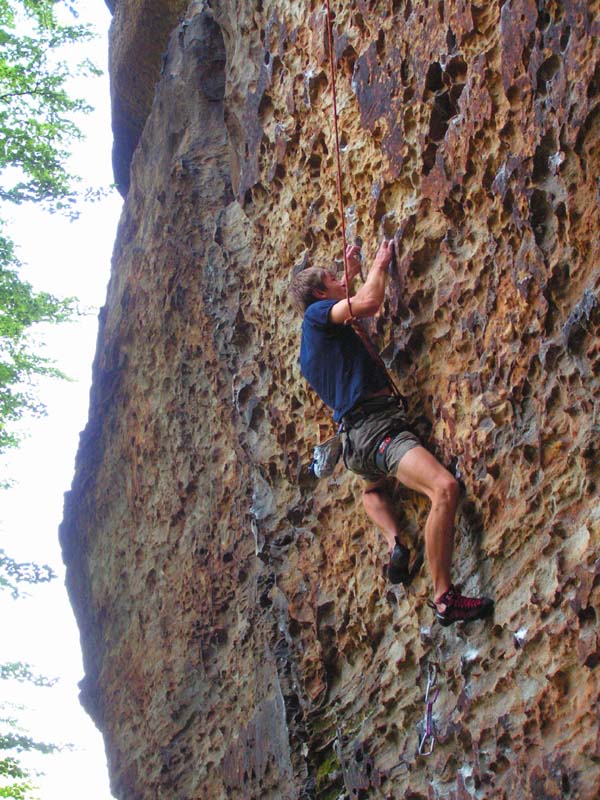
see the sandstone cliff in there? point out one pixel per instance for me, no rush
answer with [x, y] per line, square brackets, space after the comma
[239, 637]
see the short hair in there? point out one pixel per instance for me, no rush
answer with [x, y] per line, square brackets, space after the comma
[304, 285]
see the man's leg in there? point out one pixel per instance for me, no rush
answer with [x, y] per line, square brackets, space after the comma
[378, 505]
[419, 470]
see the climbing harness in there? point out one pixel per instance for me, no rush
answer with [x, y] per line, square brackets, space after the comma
[428, 739]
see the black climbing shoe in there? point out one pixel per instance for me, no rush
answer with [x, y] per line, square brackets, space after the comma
[459, 608]
[398, 571]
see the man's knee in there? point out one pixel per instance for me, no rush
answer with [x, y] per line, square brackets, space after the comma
[374, 496]
[375, 488]
[446, 490]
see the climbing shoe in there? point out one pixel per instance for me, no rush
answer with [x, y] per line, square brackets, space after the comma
[398, 567]
[459, 608]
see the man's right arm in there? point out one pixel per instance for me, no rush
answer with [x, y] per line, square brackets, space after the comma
[368, 299]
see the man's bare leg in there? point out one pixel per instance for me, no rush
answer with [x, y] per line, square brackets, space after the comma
[421, 471]
[378, 505]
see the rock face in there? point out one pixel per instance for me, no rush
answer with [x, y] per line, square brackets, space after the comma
[239, 637]
[138, 37]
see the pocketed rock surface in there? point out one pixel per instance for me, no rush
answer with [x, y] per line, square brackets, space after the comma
[240, 639]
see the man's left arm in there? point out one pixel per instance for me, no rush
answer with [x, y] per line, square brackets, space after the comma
[368, 299]
[354, 260]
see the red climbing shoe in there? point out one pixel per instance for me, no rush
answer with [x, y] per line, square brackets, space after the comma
[398, 566]
[459, 608]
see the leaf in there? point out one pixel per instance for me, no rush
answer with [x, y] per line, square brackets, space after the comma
[22, 672]
[13, 573]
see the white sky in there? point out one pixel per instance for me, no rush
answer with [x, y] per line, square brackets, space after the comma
[64, 258]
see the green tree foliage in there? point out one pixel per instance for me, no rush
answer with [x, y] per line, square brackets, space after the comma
[17, 671]
[20, 309]
[14, 573]
[37, 128]
[16, 781]
[36, 122]
[20, 786]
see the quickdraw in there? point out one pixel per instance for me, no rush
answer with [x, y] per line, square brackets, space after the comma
[428, 739]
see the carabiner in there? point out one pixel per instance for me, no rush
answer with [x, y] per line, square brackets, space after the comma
[431, 679]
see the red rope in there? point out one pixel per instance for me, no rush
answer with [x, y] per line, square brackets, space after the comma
[337, 153]
[352, 320]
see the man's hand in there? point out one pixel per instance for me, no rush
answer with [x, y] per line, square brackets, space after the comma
[384, 254]
[354, 260]
[368, 299]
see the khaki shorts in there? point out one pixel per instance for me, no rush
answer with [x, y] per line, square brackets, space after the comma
[366, 435]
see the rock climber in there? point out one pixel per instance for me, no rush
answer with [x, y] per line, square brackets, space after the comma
[336, 362]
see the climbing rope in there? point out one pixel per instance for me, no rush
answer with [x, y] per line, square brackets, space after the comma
[337, 154]
[352, 320]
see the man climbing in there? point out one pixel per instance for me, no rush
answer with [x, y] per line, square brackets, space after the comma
[336, 362]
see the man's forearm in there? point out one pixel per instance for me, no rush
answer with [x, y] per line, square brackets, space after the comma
[352, 284]
[370, 296]
[354, 268]
[372, 292]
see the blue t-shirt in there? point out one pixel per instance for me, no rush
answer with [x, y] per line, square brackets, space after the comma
[335, 362]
